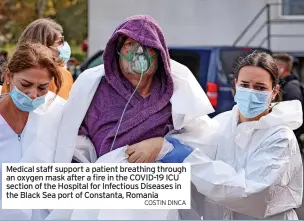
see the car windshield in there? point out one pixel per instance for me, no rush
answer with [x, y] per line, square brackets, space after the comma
[189, 58]
[230, 57]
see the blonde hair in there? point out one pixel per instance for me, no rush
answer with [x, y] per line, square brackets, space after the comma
[44, 31]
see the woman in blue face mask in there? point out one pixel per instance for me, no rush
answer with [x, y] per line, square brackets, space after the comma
[50, 34]
[29, 114]
[249, 165]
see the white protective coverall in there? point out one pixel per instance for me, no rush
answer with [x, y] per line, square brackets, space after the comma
[190, 107]
[36, 145]
[256, 170]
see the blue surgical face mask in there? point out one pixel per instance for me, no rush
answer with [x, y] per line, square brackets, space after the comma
[251, 102]
[64, 51]
[24, 102]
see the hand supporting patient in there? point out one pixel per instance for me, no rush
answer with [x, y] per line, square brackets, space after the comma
[178, 154]
[145, 151]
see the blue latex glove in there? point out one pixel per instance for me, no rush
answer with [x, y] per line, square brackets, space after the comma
[178, 154]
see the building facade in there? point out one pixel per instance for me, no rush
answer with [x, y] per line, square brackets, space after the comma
[279, 26]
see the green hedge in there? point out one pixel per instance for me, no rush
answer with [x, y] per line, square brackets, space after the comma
[79, 56]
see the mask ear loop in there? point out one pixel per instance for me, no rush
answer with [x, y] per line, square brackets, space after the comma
[123, 113]
[151, 58]
[272, 99]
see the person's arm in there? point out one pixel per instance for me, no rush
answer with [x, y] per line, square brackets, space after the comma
[84, 148]
[84, 151]
[148, 151]
[200, 133]
[260, 189]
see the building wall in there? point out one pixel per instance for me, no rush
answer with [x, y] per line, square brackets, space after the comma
[194, 22]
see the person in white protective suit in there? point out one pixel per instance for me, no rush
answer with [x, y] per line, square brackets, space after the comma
[29, 115]
[255, 171]
[105, 117]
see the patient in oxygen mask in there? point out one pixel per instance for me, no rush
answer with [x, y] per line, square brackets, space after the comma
[132, 101]
[122, 110]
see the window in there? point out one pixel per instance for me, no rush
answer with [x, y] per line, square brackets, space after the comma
[292, 7]
[97, 61]
[228, 61]
[191, 59]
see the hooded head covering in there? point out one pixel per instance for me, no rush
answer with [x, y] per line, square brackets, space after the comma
[143, 29]
[144, 117]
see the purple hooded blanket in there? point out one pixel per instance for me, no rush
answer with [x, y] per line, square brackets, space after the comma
[145, 117]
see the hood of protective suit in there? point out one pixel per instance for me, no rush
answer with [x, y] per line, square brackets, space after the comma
[145, 30]
[286, 113]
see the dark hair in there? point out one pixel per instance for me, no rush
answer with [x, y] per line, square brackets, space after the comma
[35, 55]
[262, 60]
[284, 58]
[4, 54]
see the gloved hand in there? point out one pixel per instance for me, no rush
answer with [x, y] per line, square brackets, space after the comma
[178, 154]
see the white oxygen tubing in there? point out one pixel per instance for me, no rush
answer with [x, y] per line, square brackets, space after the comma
[123, 113]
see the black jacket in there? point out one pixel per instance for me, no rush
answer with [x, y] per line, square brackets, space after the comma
[291, 89]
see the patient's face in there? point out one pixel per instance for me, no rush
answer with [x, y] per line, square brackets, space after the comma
[130, 45]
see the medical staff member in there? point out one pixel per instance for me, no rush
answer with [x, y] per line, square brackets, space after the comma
[256, 171]
[49, 33]
[29, 114]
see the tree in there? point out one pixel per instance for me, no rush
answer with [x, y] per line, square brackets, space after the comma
[74, 20]
[15, 15]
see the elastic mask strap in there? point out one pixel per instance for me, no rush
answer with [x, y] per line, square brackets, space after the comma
[129, 58]
[151, 58]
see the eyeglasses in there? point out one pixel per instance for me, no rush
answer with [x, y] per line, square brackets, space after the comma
[62, 39]
[59, 41]
[131, 45]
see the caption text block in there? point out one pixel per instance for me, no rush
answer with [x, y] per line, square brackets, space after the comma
[95, 186]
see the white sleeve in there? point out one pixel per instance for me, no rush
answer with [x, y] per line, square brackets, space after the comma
[166, 148]
[200, 133]
[270, 183]
[85, 153]
[115, 156]
[84, 150]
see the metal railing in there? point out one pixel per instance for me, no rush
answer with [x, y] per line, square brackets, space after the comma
[267, 23]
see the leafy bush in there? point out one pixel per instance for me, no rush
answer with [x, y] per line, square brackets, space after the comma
[79, 56]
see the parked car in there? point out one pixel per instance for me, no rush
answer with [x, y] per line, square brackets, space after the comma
[212, 67]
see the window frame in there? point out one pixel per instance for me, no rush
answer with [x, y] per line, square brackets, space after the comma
[289, 17]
